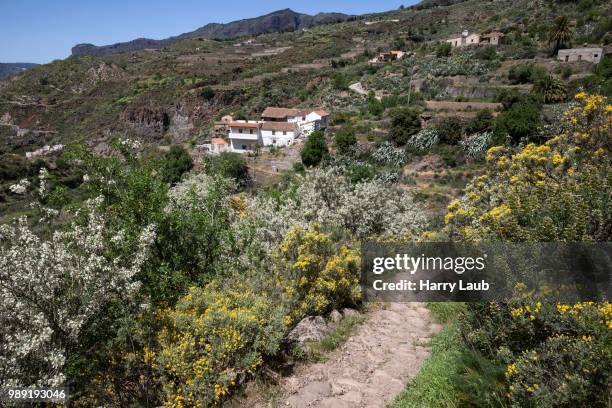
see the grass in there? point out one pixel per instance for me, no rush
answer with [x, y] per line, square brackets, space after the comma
[435, 384]
[335, 338]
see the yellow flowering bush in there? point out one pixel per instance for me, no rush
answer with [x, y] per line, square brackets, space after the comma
[213, 339]
[317, 275]
[554, 354]
[557, 191]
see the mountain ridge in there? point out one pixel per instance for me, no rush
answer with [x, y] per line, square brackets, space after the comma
[8, 69]
[277, 21]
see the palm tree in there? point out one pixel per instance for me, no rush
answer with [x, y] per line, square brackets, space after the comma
[551, 89]
[560, 33]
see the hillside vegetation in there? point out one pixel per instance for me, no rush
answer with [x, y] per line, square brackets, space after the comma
[140, 270]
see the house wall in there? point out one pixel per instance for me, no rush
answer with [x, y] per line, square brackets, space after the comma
[494, 40]
[580, 54]
[243, 145]
[456, 42]
[278, 138]
[472, 39]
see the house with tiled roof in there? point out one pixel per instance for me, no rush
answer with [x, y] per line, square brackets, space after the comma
[244, 136]
[278, 127]
[218, 145]
[466, 39]
[278, 133]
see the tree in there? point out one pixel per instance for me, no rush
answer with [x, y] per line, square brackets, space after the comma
[207, 93]
[450, 130]
[314, 150]
[176, 162]
[405, 122]
[345, 139]
[560, 33]
[443, 50]
[551, 89]
[375, 107]
[230, 165]
[519, 122]
[482, 121]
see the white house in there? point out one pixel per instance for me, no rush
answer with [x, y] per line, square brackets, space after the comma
[277, 127]
[244, 136]
[307, 120]
[466, 39]
[278, 133]
[580, 54]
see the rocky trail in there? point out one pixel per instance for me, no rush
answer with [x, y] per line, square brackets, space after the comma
[370, 368]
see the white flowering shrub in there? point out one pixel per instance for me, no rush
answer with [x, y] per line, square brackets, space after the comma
[425, 139]
[51, 287]
[366, 209]
[192, 193]
[20, 188]
[386, 153]
[476, 145]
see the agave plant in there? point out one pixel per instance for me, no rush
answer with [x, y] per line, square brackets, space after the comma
[550, 88]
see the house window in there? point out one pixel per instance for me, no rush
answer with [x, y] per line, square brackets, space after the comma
[595, 55]
[251, 131]
[284, 132]
[580, 58]
[273, 132]
[239, 130]
[566, 58]
[303, 117]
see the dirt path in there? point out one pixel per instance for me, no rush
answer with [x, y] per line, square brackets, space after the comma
[370, 368]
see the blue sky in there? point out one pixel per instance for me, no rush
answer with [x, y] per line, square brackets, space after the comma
[43, 30]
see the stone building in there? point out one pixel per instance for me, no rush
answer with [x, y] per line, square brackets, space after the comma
[580, 54]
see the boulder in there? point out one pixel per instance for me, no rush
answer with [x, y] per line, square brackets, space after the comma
[346, 312]
[335, 316]
[312, 328]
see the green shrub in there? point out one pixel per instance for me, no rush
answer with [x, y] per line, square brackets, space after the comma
[375, 107]
[176, 162]
[360, 172]
[450, 130]
[345, 140]
[230, 165]
[526, 73]
[481, 122]
[520, 122]
[314, 150]
[443, 49]
[486, 53]
[405, 122]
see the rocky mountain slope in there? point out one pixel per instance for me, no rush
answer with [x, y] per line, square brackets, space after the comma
[10, 69]
[278, 21]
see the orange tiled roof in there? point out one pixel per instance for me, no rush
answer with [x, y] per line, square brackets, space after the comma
[284, 126]
[279, 113]
[244, 124]
[218, 141]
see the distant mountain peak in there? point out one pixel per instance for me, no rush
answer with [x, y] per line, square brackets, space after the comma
[276, 21]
